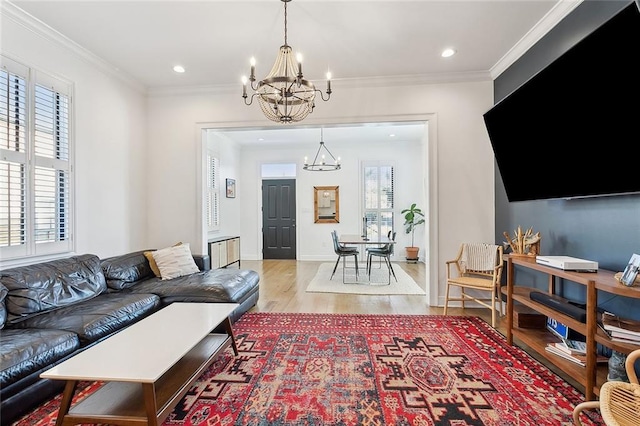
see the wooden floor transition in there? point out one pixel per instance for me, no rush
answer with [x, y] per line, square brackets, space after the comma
[283, 284]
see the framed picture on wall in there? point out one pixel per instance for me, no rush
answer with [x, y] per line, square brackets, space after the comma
[231, 188]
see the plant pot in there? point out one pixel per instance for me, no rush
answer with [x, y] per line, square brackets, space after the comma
[412, 253]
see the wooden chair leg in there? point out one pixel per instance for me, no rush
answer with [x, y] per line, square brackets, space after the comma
[446, 299]
[493, 313]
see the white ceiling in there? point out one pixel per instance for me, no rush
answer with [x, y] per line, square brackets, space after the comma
[354, 39]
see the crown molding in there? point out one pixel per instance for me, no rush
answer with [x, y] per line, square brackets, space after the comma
[550, 20]
[36, 26]
[365, 82]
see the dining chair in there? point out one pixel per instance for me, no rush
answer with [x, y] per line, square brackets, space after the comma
[384, 252]
[478, 267]
[343, 252]
[619, 402]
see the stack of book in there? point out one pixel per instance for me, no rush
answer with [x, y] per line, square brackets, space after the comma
[572, 350]
[621, 329]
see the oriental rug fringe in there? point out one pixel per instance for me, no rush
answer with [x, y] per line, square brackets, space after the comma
[358, 369]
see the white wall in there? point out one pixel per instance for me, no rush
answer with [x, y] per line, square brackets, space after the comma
[110, 140]
[313, 239]
[462, 154]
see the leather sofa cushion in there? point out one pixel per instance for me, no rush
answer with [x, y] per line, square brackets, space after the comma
[27, 351]
[45, 286]
[212, 286]
[126, 270]
[96, 318]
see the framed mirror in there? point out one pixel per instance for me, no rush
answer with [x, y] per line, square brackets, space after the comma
[326, 204]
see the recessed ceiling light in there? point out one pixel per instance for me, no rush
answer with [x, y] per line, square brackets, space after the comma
[261, 139]
[178, 68]
[392, 135]
[448, 52]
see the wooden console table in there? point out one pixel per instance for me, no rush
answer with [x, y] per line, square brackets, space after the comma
[593, 375]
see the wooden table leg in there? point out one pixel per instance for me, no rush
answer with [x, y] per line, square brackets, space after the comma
[67, 397]
[149, 393]
[229, 328]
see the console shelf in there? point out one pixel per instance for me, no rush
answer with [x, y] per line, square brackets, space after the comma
[593, 375]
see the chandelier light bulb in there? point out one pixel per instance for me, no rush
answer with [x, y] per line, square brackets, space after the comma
[299, 59]
[244, 86]
[252, 62]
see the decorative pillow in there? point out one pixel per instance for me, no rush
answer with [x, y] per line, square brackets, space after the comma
[175, 261]
[152, 261]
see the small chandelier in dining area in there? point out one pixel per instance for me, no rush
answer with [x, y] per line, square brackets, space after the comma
[320, 163]
[284, 95]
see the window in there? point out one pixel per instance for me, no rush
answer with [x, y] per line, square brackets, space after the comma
[35, 163]
[378, 198]
[213, 192]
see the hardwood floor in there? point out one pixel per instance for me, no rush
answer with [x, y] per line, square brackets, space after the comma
[283, 284]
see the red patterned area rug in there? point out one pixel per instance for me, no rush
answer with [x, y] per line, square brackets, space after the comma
[334, 369]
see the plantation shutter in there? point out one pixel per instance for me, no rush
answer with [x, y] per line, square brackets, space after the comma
[51, 176]
[13, 151]
[35, 165]
[378, 202]
[213, 192]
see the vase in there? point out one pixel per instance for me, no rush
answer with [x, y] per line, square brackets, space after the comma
[412, 253]
[617, 371]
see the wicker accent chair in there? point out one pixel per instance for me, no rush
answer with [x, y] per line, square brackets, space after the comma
[619, 402]
[478, 267]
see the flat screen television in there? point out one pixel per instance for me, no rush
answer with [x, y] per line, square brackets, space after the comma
[573, 129]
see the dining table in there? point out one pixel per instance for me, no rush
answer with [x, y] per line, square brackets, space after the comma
[364, 241]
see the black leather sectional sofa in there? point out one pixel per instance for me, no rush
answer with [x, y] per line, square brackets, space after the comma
[53, 310]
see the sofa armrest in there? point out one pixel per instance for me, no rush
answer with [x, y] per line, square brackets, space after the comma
[203, 261]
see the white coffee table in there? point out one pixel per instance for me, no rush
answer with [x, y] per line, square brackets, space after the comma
[146, 368]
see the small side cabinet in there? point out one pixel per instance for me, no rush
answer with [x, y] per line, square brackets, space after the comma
[224, 251]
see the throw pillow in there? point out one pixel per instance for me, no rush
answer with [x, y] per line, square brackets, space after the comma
[152, 261]
[175, 261]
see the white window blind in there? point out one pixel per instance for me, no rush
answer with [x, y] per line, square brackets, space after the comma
[213, 192]
[377, 190]
[36, 172]
[13, 112]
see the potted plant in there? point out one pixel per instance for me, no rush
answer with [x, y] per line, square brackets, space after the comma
[413, 216]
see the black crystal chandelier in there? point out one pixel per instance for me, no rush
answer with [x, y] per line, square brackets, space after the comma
[284, 95]
[320, 163]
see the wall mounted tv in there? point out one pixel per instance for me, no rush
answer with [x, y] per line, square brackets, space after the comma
[573, 129]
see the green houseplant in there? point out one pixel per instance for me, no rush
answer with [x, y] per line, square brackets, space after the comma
[413, 217]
